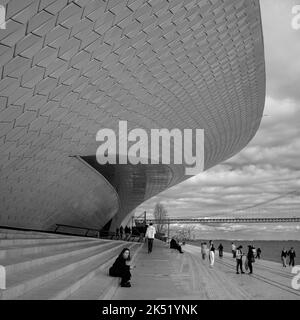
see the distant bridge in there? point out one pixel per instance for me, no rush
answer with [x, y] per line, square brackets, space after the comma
[217, 220]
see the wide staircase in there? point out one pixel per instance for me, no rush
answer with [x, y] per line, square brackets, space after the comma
[48, 266]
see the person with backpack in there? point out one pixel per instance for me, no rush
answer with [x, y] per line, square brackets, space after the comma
[239, 259]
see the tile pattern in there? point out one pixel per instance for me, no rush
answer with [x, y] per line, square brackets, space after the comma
[69, 68]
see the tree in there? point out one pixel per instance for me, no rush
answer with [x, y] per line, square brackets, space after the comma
[160, 214]
[185, 232]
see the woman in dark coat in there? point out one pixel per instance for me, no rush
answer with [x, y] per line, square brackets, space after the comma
[121, 269]
[250, 257]
[175, 245]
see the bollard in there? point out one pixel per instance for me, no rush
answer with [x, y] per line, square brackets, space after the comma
[2, 277]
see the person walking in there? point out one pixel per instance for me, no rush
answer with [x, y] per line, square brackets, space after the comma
[250, 257]
[258, 253]
[150, 233]
[211, 253]
[233, 249]
[284, 254]
[121, 269]
[203, 250]
[239, 259]
[292, 255]
[121, 232]
[220, 248]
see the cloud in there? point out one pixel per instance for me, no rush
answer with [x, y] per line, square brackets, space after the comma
[264, 178]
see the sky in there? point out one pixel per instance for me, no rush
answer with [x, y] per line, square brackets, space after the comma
[264, 178]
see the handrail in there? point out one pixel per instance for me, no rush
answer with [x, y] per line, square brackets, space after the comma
[99, 232]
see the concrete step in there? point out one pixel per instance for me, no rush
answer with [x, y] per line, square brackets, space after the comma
[101, 286]
[8, 252]
[29, 241]
[64, 286]
[16, 263]
[8, 233]
[20, 282]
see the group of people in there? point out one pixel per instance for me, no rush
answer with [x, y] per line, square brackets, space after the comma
[285, 254]
[120, 232]
[209, 250]
[252, 254]
[250, 258]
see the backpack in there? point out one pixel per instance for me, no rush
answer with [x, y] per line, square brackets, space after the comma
[238, 254]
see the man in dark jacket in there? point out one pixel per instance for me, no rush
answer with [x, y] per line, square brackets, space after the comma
[250, 257]
[292, 255]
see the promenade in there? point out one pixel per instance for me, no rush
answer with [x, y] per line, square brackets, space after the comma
[167, 274]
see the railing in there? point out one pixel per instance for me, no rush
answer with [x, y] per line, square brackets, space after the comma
[220, 220]
[99, 233]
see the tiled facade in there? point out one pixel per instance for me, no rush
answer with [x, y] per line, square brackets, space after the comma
[70, 68]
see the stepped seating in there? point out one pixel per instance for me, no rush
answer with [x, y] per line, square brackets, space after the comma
[46, 266]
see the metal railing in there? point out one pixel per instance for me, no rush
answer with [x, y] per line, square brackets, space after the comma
[99, 233]
[220, 220]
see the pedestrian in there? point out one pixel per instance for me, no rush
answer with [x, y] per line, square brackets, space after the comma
[117, 233]
[292, 255]
[239, 259]
[126, 233]
[211, 253]
[220, 248]
[284, 254]
[254, 251]
[233, 249]
[150, 233]
[203, 250]
[121, 268]
[250, 257]
[175, 245]
[258, 253]
[121, 232]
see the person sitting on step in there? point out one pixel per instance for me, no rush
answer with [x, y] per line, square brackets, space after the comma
[121, 269]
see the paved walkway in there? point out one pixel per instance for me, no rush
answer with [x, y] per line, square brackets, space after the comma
[167, 274]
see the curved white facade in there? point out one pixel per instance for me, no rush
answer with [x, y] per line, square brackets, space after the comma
[69, 69]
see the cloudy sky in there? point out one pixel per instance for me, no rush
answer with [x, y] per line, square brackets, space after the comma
[264, 178]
